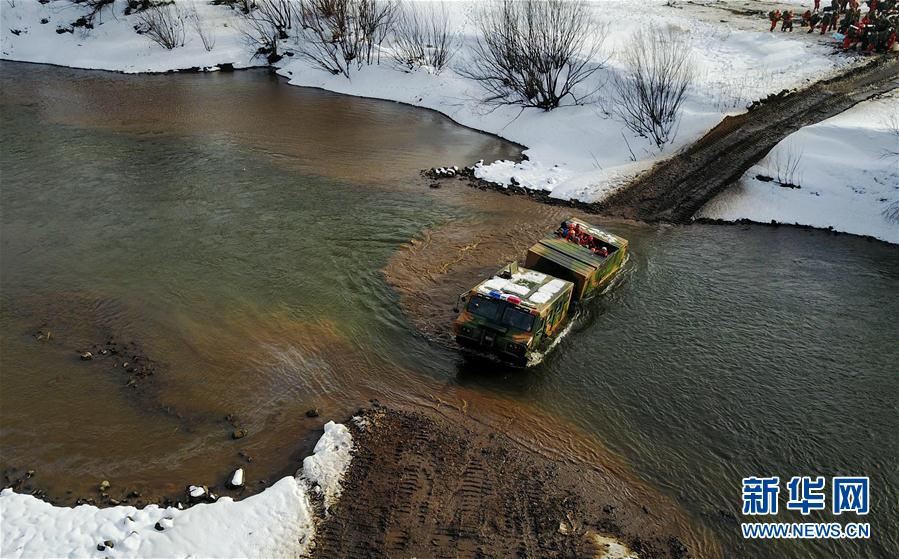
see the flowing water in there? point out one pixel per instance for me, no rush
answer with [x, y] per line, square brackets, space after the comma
[233, 231]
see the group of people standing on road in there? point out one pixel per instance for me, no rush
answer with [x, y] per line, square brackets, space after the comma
[875, 31]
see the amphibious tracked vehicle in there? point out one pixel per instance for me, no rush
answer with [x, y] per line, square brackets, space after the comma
[516, 314]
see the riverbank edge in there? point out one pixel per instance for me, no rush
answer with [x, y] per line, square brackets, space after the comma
[543, 197]
[281, 519]
[435, 481]
[538, 195]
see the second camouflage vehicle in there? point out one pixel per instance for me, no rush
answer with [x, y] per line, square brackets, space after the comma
[517, 314]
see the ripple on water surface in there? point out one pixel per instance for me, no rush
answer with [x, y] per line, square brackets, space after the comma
[247, 249]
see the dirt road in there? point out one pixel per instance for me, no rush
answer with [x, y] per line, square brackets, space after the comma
[675, 189]
[426, 483]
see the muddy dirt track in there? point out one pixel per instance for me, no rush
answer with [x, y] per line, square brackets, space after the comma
[675, 189]
[426, 484]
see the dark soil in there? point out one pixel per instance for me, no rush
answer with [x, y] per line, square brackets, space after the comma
[677, 188]
[430, 484]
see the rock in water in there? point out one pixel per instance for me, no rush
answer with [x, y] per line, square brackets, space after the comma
[196, 492]
[239, 433]
[104, 485]
[237, 478]
[87, 356]
[312, 413]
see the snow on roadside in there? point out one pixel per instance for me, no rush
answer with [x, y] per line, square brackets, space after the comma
[848, 173]
[279, 522]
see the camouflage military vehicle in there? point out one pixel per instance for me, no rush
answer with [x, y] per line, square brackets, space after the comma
[517, 314]
[590, 268]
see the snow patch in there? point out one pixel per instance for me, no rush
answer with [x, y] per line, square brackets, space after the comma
[325, 468]
[279, 522]
[848, 176]
[113, 44]
[237, 478]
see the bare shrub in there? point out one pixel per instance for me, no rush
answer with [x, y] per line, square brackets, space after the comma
[786, 163]
[339, 35]
[891, 212]
[164, 25]
[423, 37]
[266, 22]
[891, 123]
[204, 31]
[278, 14]
[243, 5]
[94, 10]
[535, 53]
[658, 71]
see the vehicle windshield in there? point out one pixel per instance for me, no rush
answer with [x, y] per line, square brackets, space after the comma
[517, 318]
[484, 307]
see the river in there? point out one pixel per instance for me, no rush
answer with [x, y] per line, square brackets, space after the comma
[234, 232]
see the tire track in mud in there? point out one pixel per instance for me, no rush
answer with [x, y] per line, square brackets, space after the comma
[675, 189]
[425, 484]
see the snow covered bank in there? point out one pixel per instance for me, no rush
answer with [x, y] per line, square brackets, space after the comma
[847, 170]
[279, 522]
[581, 152]
[584, 151]
[113, 43]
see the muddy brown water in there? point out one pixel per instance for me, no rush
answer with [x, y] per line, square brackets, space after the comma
[264, 250]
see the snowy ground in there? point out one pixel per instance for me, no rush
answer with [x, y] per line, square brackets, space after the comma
[582, 152]
[113, 43]
[279, 522]
[847, 171]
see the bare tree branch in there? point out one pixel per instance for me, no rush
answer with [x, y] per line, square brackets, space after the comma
[535, 53]
[204, 31]
[265, 22]
[658, 71]
[339, 35]
[164, 25]
[786, 162]
[423, 37]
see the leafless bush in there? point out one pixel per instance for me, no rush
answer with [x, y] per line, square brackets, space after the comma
[268, 21]
[278, 14]
[204, 31]
[535, 53]
[338, 35]
[786, 163]
[891, 212]
[243, 5]
[423, 37]
[658, 71]
[164, 25]
[891, 123]
[95, 8]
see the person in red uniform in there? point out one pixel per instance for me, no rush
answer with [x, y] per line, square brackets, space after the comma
[787, 21]
[774, 16]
